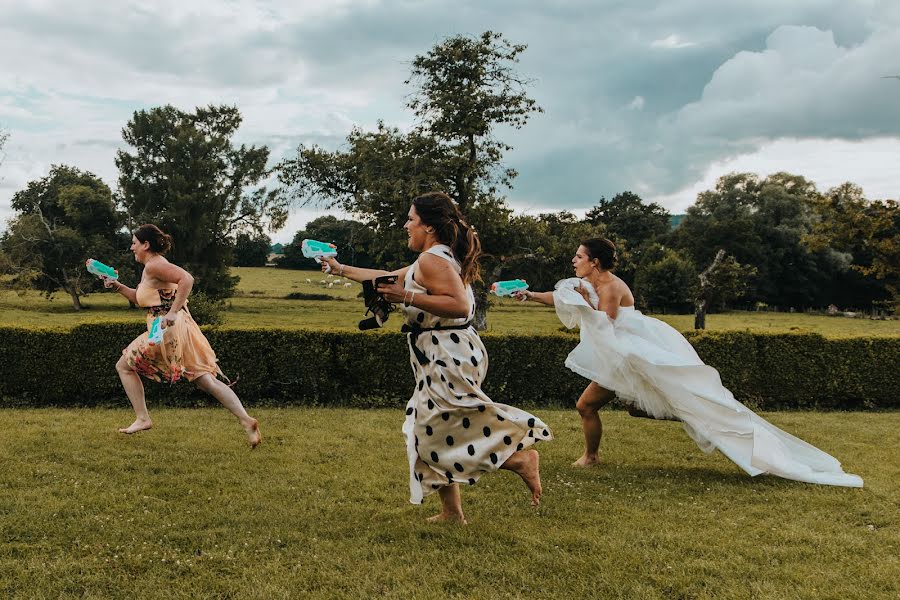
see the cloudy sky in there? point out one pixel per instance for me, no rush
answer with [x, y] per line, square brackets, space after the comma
[659, 96]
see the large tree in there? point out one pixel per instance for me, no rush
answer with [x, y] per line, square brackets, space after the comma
[465, 88]
[184, 173]
[62, 220]
[762, 223]
[352, 238]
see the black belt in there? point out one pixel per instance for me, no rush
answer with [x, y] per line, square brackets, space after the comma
[415, 330]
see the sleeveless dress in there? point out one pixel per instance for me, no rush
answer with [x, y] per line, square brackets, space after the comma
[649, 364]
[454, 432]
[184, 352]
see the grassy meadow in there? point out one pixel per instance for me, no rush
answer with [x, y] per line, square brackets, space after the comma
[261, 302]
[320, 510]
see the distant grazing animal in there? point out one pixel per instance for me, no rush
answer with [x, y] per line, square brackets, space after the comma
[308, 280]
[348, 284]
[330, 284]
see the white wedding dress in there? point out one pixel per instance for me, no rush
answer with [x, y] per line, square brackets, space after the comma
[649, 364]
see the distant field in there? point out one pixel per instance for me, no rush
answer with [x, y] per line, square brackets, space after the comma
[261, 303]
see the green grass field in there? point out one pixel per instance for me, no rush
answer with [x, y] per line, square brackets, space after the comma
[320, 510]
[261, 303]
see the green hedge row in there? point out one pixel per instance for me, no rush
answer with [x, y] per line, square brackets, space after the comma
[76, 368]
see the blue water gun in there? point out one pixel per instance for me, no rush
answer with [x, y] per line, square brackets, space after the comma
[508, 287]
[318, 251]
[100, 270]
[155, 337]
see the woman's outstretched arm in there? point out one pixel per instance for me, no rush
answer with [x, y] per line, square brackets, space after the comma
[129, 293]
[358, 273]
[539, 297]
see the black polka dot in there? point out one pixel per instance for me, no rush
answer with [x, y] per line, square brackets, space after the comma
[531, 433]
[458, 467]
[440, 363]
[493, 458]
[417, 442]
[471, 482]
[531, 422]
[444, 379]
[421, 385]
[435, 486]
[474, 395]
[430, 404]
[471, 346]
[499, 418]
[545, 433]
[455, 338]
[457, 362]
[409, 410]
[445, 416]
[481, 408]
[449, 440]
[429, 430]
[520, 446]
[466, 423]
[471, 450]
[434, 339]
[434, 456]
[428, 380]
[420, 317]
[449, 477]
[474, 362]
[507, 440]
[450, 385]
[486, 431]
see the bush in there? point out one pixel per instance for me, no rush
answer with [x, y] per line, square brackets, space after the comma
[206, 310]
[289, 367]
[667, 284]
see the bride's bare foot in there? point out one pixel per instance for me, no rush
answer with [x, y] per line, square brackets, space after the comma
[587, 460]
[138, 425]
[253, 434]
[445, 516]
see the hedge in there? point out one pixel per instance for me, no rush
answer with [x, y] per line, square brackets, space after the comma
[75, 367]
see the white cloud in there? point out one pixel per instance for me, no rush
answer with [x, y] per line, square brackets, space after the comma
[637, 103]
[672, 42]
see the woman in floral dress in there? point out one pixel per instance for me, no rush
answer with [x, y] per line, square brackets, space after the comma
[184, 351]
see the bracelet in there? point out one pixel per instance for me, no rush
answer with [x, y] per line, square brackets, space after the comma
[412, 296]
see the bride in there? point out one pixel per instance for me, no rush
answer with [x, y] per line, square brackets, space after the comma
[654, 369]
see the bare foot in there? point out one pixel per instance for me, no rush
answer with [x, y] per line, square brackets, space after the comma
[253, 434]
[138, 425]
[441, 517]
[587, 460]
[530, 472]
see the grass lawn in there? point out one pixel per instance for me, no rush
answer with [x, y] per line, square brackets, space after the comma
[261, 303]
[320, 510]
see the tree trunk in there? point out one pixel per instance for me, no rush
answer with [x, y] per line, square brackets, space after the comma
[76, 301]
[479, 321]
[700, 315]
[702, 294]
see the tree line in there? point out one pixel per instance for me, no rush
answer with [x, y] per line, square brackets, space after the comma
[784, 243]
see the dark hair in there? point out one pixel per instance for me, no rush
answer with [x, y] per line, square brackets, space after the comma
[438, 210]
[159, 242]
[603, 250]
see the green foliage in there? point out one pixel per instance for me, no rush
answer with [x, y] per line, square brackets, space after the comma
[62, 220]
[183, 173]
[331, 368]
[251, 251]
[206, 310]
[667, 283]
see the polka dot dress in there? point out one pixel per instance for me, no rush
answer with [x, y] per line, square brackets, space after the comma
[454, 432]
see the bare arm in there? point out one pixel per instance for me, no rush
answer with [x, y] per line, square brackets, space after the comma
[446, 295]
[129, 293]
[610, 297]
[359, 274]
[539, 297]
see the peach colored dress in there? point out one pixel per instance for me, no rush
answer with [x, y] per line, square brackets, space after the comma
[184, 351]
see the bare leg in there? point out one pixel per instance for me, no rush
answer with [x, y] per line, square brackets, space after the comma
[226, 396]
[451, 506]
[134, 389]
[527, 465]
[634, 411]
[592, 399]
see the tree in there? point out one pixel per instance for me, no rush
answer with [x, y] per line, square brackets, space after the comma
[465, 89]
[352, 238]
[762, 222]
[724, 281]
[184, 173]
[866, 229]
[63, 219]
[251, 251]
[666, 284]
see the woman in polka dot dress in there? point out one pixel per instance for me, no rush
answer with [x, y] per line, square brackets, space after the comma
[454, 432]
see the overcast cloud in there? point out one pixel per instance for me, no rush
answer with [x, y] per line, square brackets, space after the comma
[657, 97]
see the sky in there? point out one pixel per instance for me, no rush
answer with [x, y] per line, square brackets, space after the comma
[659, 97]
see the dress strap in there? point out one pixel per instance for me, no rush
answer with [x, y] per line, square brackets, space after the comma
[444, 252]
